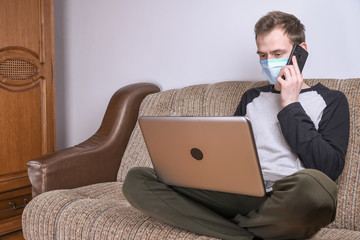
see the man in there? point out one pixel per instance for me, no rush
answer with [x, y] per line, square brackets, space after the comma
[301, 133]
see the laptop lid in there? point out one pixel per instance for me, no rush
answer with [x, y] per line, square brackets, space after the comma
[212, 153]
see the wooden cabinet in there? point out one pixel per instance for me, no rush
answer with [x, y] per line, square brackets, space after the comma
[27, 100]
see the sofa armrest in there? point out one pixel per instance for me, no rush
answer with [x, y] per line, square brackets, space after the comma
[98, 158]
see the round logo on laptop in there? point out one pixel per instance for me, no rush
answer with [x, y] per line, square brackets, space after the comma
[197, 154]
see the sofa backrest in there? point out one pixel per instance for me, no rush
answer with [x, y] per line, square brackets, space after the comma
[221, 99]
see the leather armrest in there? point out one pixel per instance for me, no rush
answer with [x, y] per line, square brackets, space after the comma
[98, 158]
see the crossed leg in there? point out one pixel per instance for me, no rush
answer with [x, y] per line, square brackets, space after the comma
[300, 205]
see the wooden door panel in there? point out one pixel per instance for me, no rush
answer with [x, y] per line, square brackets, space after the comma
[21, 124]
[21, 24]
[27, 124]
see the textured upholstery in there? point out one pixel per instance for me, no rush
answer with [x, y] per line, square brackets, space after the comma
[220, 99]
[100, 211]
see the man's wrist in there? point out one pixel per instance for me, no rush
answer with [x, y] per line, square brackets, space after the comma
[286, 103]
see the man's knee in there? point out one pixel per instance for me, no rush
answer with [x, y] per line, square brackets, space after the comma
[134, 186]
[312, 176]
[303, 203]
[314, 196]
[316, 187]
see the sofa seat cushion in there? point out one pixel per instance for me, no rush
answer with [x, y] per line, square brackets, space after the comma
[336, 234]
[98, 211]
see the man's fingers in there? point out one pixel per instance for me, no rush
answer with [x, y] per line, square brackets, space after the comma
[285, 72]
[296, 66]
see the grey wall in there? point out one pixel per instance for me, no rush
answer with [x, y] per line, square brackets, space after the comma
[103, 45]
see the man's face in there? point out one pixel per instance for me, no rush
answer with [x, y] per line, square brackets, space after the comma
[274, 45]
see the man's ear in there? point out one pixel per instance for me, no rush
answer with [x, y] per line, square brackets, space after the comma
[303, 45]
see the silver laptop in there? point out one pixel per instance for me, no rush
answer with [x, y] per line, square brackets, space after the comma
[212, 153]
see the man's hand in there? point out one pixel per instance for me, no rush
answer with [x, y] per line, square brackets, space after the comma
[290, 87]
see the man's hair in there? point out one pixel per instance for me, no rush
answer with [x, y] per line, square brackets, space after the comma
[292, 26]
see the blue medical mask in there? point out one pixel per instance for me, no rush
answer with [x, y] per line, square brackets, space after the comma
[271, 68]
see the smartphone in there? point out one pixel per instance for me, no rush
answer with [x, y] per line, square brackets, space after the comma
[301, 56]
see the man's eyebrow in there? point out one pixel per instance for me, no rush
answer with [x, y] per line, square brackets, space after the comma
[279, 50]
[274, 51]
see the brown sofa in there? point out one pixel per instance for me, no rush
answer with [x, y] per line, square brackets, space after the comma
[78, 190]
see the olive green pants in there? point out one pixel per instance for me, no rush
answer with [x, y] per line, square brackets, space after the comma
[299, 206]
